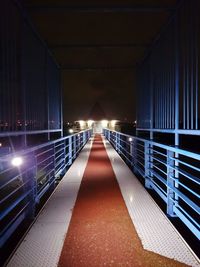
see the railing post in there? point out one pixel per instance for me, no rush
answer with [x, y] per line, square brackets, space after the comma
[54, 164]
[147, 164]
[64, 158]
[70, 150]
[108, 135]
[132, 154]
[74, 145]
[114, 139]
[79, 142]
[84, 138]
[32, 186]
[117, 142]
[170, 183]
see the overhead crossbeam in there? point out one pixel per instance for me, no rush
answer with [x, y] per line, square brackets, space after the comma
[104, 46]
[92, 9]
[93, 68]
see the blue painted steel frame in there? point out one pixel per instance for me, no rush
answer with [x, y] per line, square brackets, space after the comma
[168, 107]
[22, 188]
[158, 164]
[31, 98]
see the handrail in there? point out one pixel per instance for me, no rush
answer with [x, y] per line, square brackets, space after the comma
[23, 187]
[172, 148]
[177, 186]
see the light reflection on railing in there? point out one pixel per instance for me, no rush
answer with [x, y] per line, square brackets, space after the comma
[21, 188]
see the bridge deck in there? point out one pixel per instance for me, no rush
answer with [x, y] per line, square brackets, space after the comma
[88, 221]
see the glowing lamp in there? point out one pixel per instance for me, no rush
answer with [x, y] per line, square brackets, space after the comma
[82, 123]
[71, 131]
[113, 123]
[130, 139]
[17, 161]
[104, 123]
[89, 123]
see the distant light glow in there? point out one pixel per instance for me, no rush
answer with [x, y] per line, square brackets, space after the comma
[130, 139]
[0, 144]
[104, 123]
[71, 131]
[113, 123]
[82, 123]
[89, 123]
[17, 161]
[131, 199]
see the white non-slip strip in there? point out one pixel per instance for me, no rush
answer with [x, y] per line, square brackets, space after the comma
[154, 229]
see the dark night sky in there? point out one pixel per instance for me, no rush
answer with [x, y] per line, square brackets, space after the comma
[113, 90]
[87, 37]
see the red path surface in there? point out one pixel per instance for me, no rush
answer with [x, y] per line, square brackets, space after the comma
[101, 232]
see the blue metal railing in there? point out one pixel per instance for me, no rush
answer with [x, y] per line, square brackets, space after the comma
[21, 188]
[171, 172]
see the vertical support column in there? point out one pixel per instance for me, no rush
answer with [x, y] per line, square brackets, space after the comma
[61, 101]
[170, 183]
[147, 164]
[54, 166]
[47, 98]
[70, 147]
[177, 82]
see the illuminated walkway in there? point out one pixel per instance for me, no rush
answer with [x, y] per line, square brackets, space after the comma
[95, 228]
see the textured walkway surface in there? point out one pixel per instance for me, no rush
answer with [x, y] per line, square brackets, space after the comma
[101, 232]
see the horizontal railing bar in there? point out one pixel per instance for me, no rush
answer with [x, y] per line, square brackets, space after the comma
[170, 148]
[159, 177]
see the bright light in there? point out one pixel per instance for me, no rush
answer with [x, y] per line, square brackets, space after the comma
[104, 123]
[17, 161]
[130, 139]
[89, 123]
[113, 123]
[71, 131]
[0, 144]
[82, 123]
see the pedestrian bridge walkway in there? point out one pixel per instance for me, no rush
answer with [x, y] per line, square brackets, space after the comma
[100, 215]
